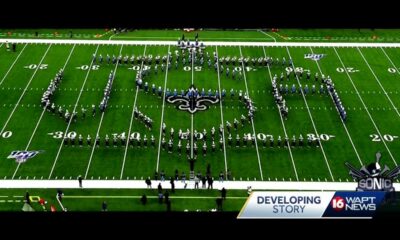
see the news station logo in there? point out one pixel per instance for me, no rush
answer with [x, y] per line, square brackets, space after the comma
[365, 203]
[373, 177]
[312, 204]
[355, 204]
[338, 204]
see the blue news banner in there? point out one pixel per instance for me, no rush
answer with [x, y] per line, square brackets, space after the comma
[351, 204]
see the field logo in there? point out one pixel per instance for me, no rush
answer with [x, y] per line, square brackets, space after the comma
[23, 156]
[192, 101]
[373, 178]
[315, 57]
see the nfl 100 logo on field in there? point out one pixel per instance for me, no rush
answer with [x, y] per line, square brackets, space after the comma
[23, 156]
[313, 56]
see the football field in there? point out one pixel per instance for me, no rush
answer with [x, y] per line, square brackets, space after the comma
[366, 79]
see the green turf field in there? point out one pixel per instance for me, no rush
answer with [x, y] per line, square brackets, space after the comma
[56, 33]
[261, 35]
[121, 200]
[233, 35]
[367, 81]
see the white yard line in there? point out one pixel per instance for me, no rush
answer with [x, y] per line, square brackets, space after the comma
[203, 38]
[33, 134]
[344, 125]
[312, 120]
[23, 93]
[377, 80]
[129, 132]
[111, 37]
[94, 144]
[101, 119]
[365, 107]
[252, 122]
[208, 43]
[27, 146]
[12, 65]
[261, 31]
[69, 123]
[59, 202]
[41, 116]
[283, 125]
[130, 123]
[220, 105]
[162, 113]
[155, 197]
[284, 38]
[396, 68]
[140, 184]
[191, 115]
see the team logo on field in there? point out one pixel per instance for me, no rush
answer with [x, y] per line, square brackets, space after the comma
[315, 57]
[373, 178]
[23, 156]
[192, 101]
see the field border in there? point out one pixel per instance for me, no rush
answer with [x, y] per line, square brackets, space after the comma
[140, 184]
[210, 43]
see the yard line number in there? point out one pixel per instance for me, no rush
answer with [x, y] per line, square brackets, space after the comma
[297, 69]
[86, 67]
[6, 134]
[392, 70]
[386, 138]
[60, 134]
[248, 69]
[137, 67]
[312, 136]
[260, 136]
[349, 70]
[200, 68]
[34, 66]
[72, 134]
[196, 68]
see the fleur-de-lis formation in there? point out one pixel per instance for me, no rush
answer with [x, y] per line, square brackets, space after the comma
[192, 101]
